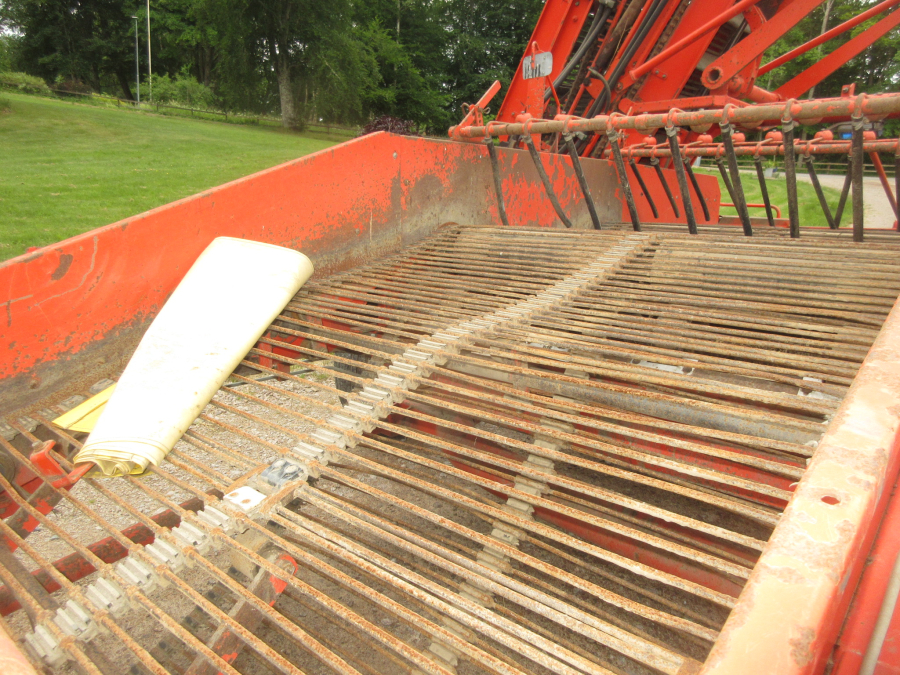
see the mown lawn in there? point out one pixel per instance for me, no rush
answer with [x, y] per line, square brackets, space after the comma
[67, 168]
[808, 204]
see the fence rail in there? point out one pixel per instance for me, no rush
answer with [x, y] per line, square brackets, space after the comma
[200, 111]
[831, 168]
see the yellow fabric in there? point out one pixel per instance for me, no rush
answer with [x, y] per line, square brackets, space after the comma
[84, 416]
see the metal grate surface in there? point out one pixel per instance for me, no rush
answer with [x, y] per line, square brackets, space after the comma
[502, 451]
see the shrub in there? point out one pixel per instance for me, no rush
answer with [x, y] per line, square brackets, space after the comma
[394, 125]
[181, 90]
[25, 83]
[72, 86]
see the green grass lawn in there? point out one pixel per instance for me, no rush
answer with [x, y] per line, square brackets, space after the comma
[809, 209]
[67, 168]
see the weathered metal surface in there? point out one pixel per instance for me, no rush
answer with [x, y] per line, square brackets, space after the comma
[103, 287]
[527, 468]
[811, 564]
[862, 615]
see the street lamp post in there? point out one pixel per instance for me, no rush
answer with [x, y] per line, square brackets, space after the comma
[149, 61]
[137, 61]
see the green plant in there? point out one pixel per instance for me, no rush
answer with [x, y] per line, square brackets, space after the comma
[5, 105]
[181, 90]
[71, 85]
[27, 84]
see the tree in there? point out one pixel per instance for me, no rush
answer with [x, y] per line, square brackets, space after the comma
[75, 39]
[9, 51]
[485, 41]
[309, 47]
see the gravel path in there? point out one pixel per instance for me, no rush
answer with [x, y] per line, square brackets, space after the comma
[878, 211]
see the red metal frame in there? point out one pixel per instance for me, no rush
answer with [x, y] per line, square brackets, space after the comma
[556, 31]
[860, 621]
[826, 66]
[340, 218]
[717, 75]
[827, 35]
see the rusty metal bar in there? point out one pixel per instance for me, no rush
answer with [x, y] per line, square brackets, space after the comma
[654, 162]
[790, 175]
[640, 180]
[498, 187]
[763, 188]
[740, 200]
[582, 181]
[613, 137]
[545, 180]
[802, 111]
[856, 152]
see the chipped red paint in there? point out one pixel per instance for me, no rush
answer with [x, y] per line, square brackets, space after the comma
[556, 31]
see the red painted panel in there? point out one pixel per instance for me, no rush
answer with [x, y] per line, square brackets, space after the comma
[73, 301]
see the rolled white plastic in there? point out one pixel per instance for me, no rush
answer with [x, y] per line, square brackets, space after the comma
[217, 313]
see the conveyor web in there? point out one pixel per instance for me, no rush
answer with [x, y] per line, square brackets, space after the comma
[557, 452]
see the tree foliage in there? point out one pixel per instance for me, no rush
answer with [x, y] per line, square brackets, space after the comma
[343, 61]
[347, 61]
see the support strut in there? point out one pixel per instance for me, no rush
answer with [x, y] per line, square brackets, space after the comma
[613, 137]
[672, 133]
[536, 158]
[856, 144]
[790, 174]
[845, 192]
[640, 180]
[654, 162]
[740, 199]
[582, 181]
[814, 178]
[764, 189]
[690, 174]
[495, 171]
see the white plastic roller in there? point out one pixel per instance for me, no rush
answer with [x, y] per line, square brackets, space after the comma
[217, 313]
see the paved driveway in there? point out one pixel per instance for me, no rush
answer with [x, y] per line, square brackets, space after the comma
[878, 211]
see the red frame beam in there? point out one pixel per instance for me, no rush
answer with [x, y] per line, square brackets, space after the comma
[826, 36]
[826, 66]
[691, 38]
[556, 32]
[719, 72]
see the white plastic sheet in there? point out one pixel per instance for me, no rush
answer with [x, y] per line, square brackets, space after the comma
[217, 313]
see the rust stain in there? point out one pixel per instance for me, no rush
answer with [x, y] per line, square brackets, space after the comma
[802, 647]
[65, 262]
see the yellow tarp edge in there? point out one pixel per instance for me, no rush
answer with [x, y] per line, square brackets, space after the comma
[84, 416]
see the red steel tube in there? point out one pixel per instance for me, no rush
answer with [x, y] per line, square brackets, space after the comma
[882, 176]
[812, 110]
[754, 206]
[826, 36]
[773, 150]
[692, 38]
